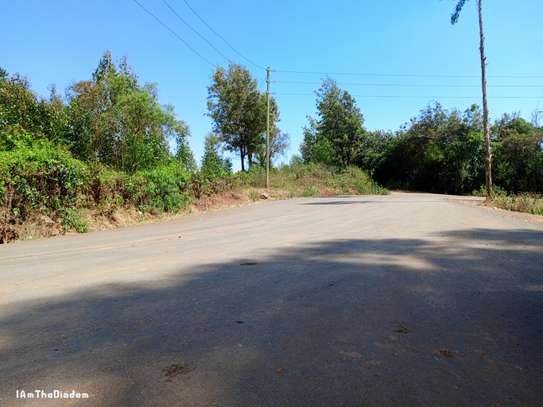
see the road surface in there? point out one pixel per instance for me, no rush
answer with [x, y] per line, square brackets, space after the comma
[400, 300]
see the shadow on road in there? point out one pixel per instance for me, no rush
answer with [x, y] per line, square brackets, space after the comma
[457, 320]
[337, 202]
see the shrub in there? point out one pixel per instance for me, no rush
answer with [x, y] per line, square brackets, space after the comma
[354, 180]
[253, 195]
[497, 191]
[164, 188]
[311, 191]
[71, 219]
[529, 203]
[39, 176]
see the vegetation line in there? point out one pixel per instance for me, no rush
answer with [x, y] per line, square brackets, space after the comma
[110, 154]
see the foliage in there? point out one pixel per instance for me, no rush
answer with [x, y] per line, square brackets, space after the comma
[335, 138]
[312, 180]
[213, 165]
[518, 162]
[216, 171]
[279, 142]
[442, 151]
[38, 176]
[310, 191]
[438, 151]
[72, 219]
[117, 122]
[529, 203]
[19, 107]
[164, 188]
[457, 10]
[238, 111]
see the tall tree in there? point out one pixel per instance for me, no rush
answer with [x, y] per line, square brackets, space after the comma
[20, 107]
[486, 126]
[518, 154]
[238, 111]
[335, 137]
[118, 122]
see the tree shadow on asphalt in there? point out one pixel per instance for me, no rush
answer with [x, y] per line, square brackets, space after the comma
[337, 202]
[453, 321]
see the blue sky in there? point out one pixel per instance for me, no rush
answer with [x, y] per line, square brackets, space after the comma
[60, 41]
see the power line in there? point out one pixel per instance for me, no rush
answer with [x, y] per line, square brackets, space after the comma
[221, 37]
[195, 31]
[414, 96]
[410, 75]
[174, 34]
[403, 85]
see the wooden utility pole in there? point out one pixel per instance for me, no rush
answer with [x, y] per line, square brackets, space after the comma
[486, 127]
[268, 70]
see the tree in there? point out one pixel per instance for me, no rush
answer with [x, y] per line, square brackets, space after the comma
[438, 151]
[279, 142]
[214, 166]
[486, 127]
[335, 137]
[183, 153]
[315, 146]
[118, 122]
[518, 154]
[20, 107]
[238, 111]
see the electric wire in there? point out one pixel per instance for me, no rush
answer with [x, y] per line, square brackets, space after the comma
[411, 75]
[413, 96]
[403, 85]
[174, 33]
[221, 37]
[218, 51]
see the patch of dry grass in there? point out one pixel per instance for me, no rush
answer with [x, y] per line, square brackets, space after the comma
[528, 203]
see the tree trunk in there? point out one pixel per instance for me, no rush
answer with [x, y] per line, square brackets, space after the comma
[486, 129]
[242, 156]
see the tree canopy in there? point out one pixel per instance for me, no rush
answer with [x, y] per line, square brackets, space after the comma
[116, 121]
[336, 136]
[238, 110]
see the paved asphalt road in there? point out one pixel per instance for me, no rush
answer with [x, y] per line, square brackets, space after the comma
[402, 300]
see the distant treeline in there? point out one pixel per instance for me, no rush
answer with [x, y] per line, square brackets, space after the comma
[438, 151]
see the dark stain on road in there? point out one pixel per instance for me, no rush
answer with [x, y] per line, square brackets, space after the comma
[176, 369]
[402, 329]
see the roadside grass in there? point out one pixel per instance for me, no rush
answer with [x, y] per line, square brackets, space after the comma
[522, 202]
[528, 203]
[47, 193]
[310, 180]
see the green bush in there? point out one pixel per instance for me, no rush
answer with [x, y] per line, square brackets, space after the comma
[39, 176]
[497, 192]
[72, 219]
[311, 180]
[255, 177]
[353, 179]
[164, 188]
[311, 191]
